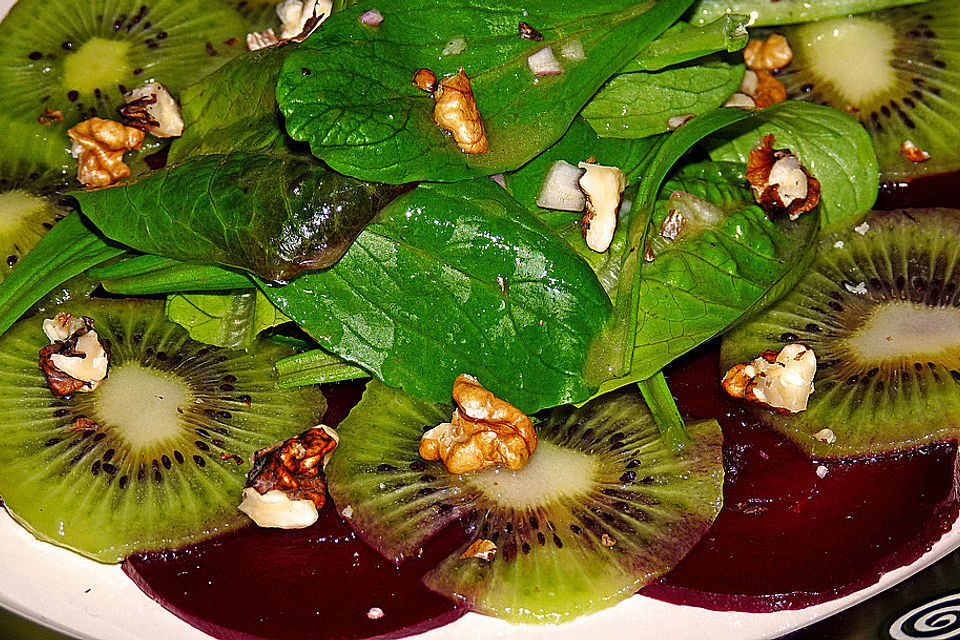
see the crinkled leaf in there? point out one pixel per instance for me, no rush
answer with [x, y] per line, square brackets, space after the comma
[148, 275]
[769, 12]
[453, 279]
[831, 145]
[224, 319]
[684, 42]
[272, 214]
[348, 89]
[637, 105]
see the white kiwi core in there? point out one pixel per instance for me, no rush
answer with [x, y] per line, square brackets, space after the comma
[900, 333]
[98, 64]
[552, 474]
[144, 405]
[855, 55]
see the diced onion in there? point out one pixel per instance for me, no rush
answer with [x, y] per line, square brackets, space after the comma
[573, 50]
[372, 17]
[561, 188]
[544, 63]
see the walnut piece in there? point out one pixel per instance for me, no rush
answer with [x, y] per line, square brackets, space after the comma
[782, 381]
[456, 111]
[50, 117]
[285, 487]
[75, 360]
[257, 40]
[485, 431]
[603, 186]
[99, 145]
[300, 18]
[426, 80]
[769, 90]
[481, 548]
[779, 181]
[771, 54]
[913, 153]
[152, 109]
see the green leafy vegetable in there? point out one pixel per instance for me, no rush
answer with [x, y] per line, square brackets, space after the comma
[455, 279]
[272, 214]
[224, 319]
[348, 89]
[637, 105]
[684, 42]
[316, 367]
[769, 12]
[657, 395]
[148, 275]
[847, 171]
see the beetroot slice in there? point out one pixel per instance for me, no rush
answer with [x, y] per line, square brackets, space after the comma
[787, 538]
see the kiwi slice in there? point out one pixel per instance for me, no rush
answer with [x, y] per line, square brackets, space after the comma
[79, 56]
[602, 507]
[897, 71]
[880, 307]
[176, 424]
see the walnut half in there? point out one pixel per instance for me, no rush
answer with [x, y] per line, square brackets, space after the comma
[782, 381]
[456, 111]
[779, 181]
[99, 146]
[75, 360]
[485, 431]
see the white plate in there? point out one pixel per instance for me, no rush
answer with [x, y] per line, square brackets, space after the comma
[70, 594]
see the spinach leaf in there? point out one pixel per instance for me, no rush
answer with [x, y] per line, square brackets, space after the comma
[770, 12]
[316, 367]
[273, 214]
[148, 275]
[832, 146]
[451, 279]
[684, 42]
[637, 105]
[348, 89]
[224, 319]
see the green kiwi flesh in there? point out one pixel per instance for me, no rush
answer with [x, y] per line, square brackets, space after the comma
[602, 507]
[178, 424]
[897, 71]
[80, 56]
[880, 307]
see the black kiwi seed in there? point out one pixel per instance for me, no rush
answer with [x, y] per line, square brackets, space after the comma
[882, 365]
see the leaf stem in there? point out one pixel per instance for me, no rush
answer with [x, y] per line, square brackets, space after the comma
[657, 395]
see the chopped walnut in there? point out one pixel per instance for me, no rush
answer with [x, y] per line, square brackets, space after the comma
[769, 90]
[825, 435]
[299, 18]
[75, 360]
[84, 424]
[50, 117]
[151, 108]
[779, 181]
[529, 33]
[262, 39]
[607, 540]
[672, 225]
[485, 431]
[603, 187]
[456, 111]
[99, 145]
[912, 152]
[782, 381]
[740, 101]
[285, 488]
[483, 549]
[426, 80]
[675, 122]
[771, 54]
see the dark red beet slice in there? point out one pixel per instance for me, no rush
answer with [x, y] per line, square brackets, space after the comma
[312, 584]
[940, 190]
[787, 538]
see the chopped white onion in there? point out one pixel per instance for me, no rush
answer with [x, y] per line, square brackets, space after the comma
[371, 17]
[455, 46]
[500, 180]
[573, 50]
[544, 63]
[561, 188]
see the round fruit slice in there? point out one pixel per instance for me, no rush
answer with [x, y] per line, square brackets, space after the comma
[157, 455]
[880, 307]
[897, 71]
[602, 507]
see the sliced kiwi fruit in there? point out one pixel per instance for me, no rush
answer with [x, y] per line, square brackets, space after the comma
[897, 71]
[880, 307]
[168, 438]
[601, 508]
[78, 57]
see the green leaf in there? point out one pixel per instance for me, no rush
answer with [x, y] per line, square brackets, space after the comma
[451, 279]
[348, 90]
[770, 12]
[665, 412]
[224, 319]
[69, 249]
[317, 367]
[831, 145]
[637, 105]
[233, 109]
[148, 275]
[684, 42]
[272, 214]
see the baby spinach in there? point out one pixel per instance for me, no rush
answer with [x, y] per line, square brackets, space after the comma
[274, 214]
[316, 366]
[148, 275]
[348, 90]
[684, 42]
[451, 279]
[770, 12]
[228, 319]
[637, 105]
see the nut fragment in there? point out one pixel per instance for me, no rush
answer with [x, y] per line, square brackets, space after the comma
[529, 33]
[740, 101]
[151, 108]
[779, 181]
[99, 145]
[769, 90]
[50, 117]
[456, 111]
[426, 80]
[75, 360]
[485, 431]
[483, 549]
[912, 152]
[261, 40]
[285, 487]
[607, 540]
[603, 186]
[299, 18]
[771, 54]
[782, 381]
[825, 435]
